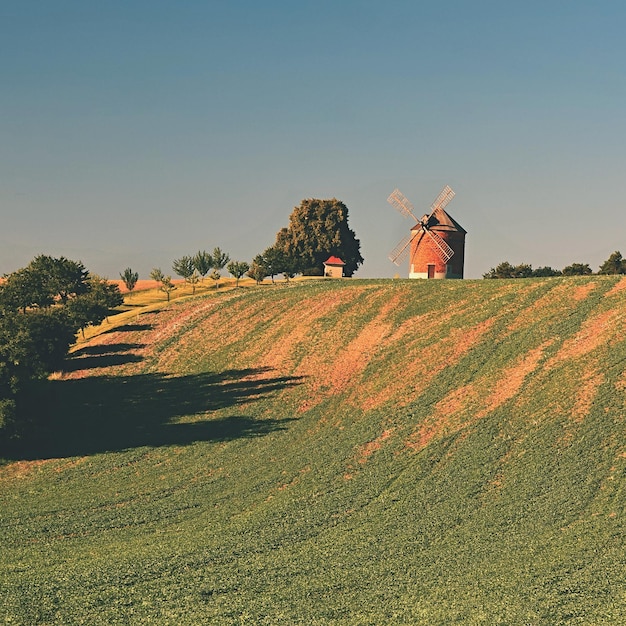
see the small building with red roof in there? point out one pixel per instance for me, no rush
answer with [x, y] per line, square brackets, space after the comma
[333, 267]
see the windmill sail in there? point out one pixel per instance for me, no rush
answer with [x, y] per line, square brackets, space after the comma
[445, 251]
[442, 199]
[398, 200]
[401, 250]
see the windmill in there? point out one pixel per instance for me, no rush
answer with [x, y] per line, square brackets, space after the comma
[434, 240]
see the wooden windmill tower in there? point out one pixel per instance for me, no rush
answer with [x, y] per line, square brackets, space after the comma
[436, 242]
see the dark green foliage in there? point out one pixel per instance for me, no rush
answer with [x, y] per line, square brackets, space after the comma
[186, 268]
[92, 307]
[129, 278]
[32, 345]
[312, 271]
[257, 270]
[44, 281]
[615, 264]
[506, 270]
[62, 277]
[577, 269]
[541, 272]
[524, 270]
[25, 289]
[319, 229]
[42, 306]
[219, 259]
[203, 262]
[275, 261]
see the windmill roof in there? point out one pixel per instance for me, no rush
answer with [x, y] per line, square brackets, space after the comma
[440, 220]
[334, 260]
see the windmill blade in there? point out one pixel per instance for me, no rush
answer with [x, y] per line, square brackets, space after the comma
[398, 200]
[442, 199]
[445, 251]
[400, 251]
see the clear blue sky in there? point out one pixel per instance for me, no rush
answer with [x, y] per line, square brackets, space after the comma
[135, 132]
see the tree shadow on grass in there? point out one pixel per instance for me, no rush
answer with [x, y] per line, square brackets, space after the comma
[106, 355]
[129, 328]
[112, 413]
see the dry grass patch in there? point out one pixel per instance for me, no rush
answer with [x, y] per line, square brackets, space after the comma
[586, 393]
[593, 333]
[510, 380]
[422, 362]
[617, 288]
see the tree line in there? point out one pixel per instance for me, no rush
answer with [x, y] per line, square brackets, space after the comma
[317, 229]
[615, 264]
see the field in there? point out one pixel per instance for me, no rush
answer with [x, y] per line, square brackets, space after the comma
[330, 452]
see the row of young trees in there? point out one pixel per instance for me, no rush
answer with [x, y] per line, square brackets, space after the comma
[42, 308]
[317, 229]
[615, 264]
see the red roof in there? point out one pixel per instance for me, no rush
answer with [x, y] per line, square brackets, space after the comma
[333, 260]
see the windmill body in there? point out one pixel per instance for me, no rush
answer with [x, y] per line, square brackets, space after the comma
[436, 244]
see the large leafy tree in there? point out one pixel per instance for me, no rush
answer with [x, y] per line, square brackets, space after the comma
[319, 229]
[24, 289]
[64, 278]
[44, 281]
[42, 306]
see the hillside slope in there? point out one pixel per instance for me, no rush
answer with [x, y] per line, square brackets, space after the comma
[351, 452]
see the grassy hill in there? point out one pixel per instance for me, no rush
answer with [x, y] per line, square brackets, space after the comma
[349, 452]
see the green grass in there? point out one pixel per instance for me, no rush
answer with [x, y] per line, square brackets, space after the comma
[197, 464]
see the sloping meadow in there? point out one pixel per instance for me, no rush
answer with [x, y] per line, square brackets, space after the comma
[331, 452]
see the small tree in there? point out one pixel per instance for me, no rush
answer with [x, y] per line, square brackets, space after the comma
[273, 259]
[203, 262]
[215, 275]
[166, 286]
[615, 264]
[185, 267]
[129, 278]
[219, 262]
[237, 269]
[157, 275]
